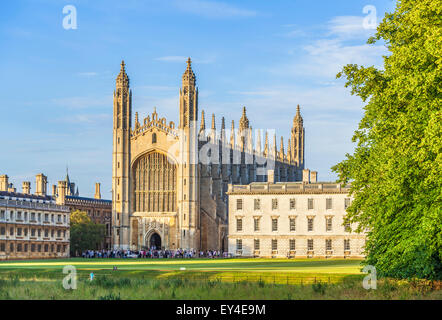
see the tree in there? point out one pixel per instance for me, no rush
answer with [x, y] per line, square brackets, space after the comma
[396, 168]
[85, 234]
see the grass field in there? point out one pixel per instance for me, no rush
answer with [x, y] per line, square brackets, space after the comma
[200, 279]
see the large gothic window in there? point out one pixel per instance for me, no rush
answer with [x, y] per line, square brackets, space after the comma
[154, 184]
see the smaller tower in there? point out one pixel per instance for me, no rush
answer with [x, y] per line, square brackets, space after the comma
[41, 182]
[97, 190]
[243, 129]
[61, 192]
[297, 140]
[223, 131]
[137, 122]
[232, 135]
[203, 122]
[26, 187]
[266, 145]
[213, 130]
[4, 182]
[258, 142]
[274, 147]
[289, 152]
[281, 150]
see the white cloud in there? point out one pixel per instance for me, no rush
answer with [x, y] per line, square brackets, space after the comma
[213, 9]
[349, 27]
[295, 31]
[343, 42]
[327, 57]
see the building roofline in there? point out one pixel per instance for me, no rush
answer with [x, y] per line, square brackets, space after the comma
[26, 196]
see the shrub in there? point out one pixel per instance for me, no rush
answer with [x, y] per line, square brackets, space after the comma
[110, 296]
[319, 287]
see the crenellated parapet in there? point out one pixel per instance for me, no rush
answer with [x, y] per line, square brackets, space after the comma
[153, 121]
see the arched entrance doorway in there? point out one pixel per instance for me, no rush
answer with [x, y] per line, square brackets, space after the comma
[155, 241]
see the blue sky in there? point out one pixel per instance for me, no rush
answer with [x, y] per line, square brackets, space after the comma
[56, 85]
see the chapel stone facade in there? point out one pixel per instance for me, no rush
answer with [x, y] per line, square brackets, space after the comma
[169, 182]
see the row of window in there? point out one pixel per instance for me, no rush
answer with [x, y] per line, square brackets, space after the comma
[292, 224]
[33, 217]
[26, 200]
[292, 244]
[34, 247]
[33, 231]
[292, 203]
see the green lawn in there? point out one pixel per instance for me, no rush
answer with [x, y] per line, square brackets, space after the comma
[251, 265]
[270, 270]
[199, 279]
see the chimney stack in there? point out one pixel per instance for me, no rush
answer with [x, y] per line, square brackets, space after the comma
[61, 192]
[271, 176]
[306, 176]
[314, 176]
[26, 187]
[4, 182]
[41, 182]
[54, 190]
[11, 188]
[97, 190]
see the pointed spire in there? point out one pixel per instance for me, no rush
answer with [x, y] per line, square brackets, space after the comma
[258, 142]
[266, 145]
[244, 121]
[188, 75]
[281, 150]
[67, 176]
[203, 121]
[289, 151]
[213, 121]
[274, 147]
[298, 118]
[232, 135]
[223, 130]
[137, 123]
[249, 140]
[122, 78]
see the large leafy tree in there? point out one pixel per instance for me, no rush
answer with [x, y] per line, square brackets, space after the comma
[396, 168]
[85, 234]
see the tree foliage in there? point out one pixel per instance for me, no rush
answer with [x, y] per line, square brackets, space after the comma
[396, 168]
[85, 234]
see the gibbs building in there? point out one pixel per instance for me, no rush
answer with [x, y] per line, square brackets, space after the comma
[169, 181]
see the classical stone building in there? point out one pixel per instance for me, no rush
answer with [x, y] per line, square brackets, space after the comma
[32, 226]
[99, 210]
[297, 219]
[169, 182]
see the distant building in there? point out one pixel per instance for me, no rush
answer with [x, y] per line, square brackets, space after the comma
[32, 226]
[99, 210]
[291, 219]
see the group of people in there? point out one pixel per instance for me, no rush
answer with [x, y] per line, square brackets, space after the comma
[154, 253]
